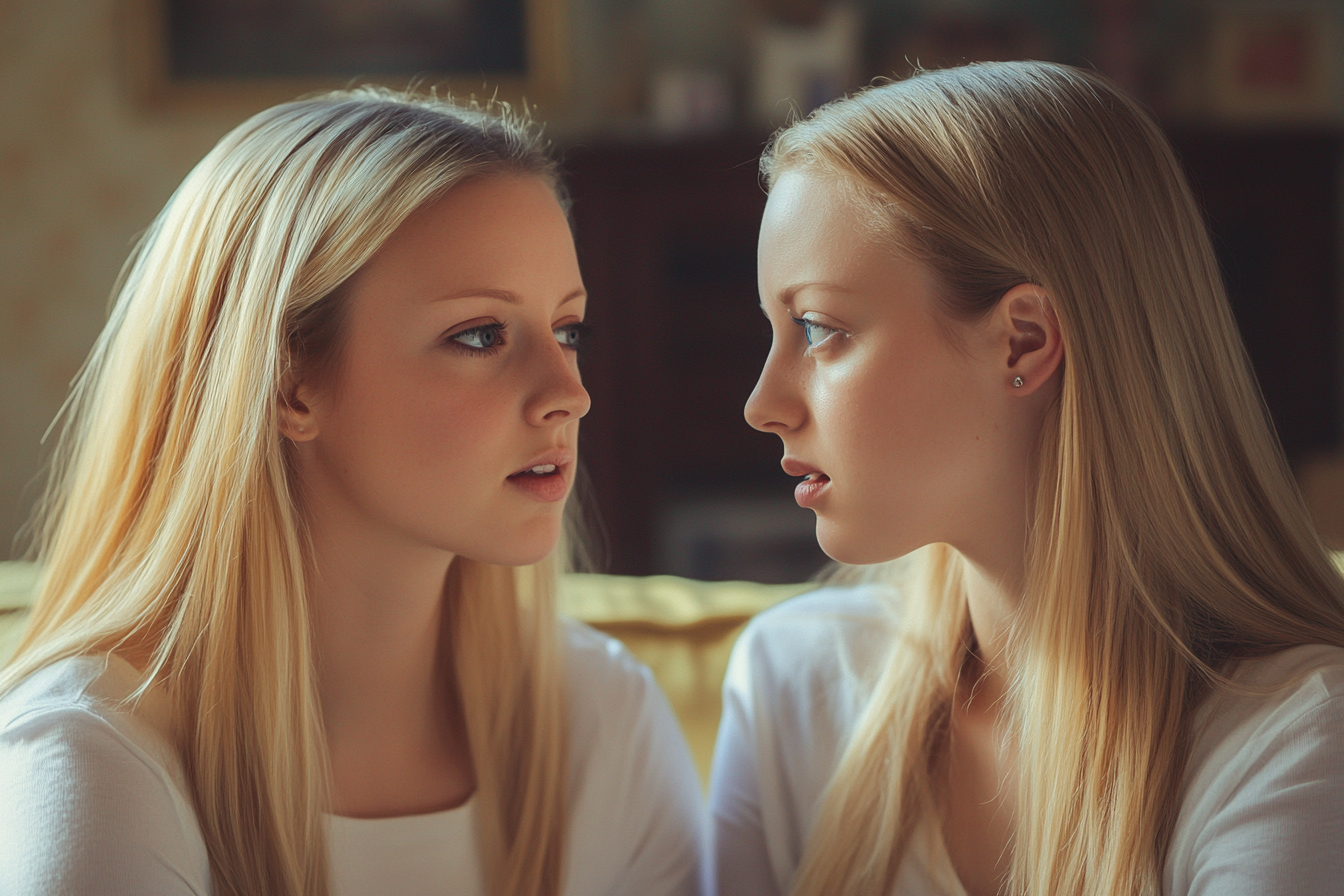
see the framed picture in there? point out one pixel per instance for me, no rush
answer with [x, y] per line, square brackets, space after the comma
[1276, 62]
[259, 52]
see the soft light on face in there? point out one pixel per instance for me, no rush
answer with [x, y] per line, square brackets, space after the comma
[452, 421]
[898, 431]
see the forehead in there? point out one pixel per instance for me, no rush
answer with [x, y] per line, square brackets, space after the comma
[814, 228]
[501, 232]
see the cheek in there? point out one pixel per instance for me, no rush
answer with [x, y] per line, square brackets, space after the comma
[906, 432]
[890, 407]
[410, 424]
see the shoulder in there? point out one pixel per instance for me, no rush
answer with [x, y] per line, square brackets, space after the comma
[818, 652]
[597, 660]
[798, 681]
[612, 697]
[61, 685]
[634, 794]
[1264, 799]
[75, 766]
[1275, 695]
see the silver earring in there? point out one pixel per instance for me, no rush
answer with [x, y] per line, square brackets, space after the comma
[1017, 382]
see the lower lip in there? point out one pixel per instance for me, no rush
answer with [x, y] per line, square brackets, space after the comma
[809, 491]
[549, 488]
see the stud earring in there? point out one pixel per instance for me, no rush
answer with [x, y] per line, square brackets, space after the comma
[1017, 384]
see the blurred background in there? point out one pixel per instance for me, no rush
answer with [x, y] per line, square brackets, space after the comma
[660, 108]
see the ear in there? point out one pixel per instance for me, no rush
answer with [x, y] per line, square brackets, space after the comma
[1028, 335]
[298, 423]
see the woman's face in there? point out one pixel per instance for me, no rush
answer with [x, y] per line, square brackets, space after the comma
[452, 418]
[905, 437]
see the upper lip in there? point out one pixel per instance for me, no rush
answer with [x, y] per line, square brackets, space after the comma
[795, 467]
[558, 456]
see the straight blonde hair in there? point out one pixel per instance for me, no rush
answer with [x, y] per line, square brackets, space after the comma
[1167, 539]
[170, 525]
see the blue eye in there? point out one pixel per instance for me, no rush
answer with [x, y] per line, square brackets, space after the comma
[814, 332]
[573, 336]
[483, 338]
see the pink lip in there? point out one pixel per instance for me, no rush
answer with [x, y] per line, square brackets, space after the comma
[548, 487]
[810, 490]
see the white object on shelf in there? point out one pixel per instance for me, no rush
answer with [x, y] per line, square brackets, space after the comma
[690, 101]
[802, 68]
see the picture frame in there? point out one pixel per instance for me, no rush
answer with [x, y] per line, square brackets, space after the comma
[1277, 63]
[305, 46]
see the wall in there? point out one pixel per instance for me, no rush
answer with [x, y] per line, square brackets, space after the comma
[81, 173]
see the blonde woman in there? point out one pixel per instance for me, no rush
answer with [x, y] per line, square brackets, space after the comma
[296, 632]
[1114, 667]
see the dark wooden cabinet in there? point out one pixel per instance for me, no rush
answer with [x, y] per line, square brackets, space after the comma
[1273, 205]
[667, 240]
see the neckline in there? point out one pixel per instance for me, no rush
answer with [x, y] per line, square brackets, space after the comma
[466, 808]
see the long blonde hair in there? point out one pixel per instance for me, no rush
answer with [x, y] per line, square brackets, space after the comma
[170, 521]
[1167, 538]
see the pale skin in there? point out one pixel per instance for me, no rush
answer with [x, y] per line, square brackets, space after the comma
[457, 373]
[910, 431]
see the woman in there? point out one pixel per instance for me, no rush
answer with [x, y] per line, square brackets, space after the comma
[296, 633]
[1000, 336]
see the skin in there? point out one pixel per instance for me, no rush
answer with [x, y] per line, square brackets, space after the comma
[913, 425]
[403, 457]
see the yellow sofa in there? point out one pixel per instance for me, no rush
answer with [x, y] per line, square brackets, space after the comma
[682, 629]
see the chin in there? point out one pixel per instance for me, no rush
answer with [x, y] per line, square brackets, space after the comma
[524, 548]
[844, 545]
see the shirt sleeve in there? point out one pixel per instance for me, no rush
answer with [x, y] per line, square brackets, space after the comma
[669, 846]
[798, 679]
[1281, 833]
[740, 861]
[84, 811]
[636, 812]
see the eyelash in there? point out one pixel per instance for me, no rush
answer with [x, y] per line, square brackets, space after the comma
[496, 332]
[578, 334]
[807, 326]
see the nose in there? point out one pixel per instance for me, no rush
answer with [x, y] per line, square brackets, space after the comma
[775, 404]
[558, 396]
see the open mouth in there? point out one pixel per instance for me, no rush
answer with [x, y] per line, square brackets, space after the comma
[538, 470]
[810, 490]
[545, 482]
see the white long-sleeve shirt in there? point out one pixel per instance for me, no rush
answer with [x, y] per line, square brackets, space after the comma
[93, 798]
[1262, 814]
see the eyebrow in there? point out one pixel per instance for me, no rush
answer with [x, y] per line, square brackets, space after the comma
[504, 295]
[786, 295]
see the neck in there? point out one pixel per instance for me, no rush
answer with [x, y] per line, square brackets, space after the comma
[389, 710]
[995, 576]
[992, 599]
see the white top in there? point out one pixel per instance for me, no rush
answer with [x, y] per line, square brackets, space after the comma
[93, 800]
[1263, 812]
